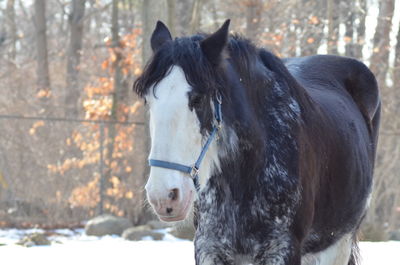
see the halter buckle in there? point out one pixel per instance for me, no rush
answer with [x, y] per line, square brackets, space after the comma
[194, 172]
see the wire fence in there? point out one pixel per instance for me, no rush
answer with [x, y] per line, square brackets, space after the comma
[61, 171]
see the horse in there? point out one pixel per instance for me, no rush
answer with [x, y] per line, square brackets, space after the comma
[272, 159]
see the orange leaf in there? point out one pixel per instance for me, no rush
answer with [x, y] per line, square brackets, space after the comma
[129, 195]
[347, 39]
[313, 20]
[104, 65]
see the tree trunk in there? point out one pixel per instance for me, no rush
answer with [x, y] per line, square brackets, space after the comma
[171, 5]
[112, 130]
[396, 85]
[348, 14]
[312, 28]
[253, 18]
[12, 30]
[184, 18]
[150, 15]
[396, 70]
[196, 16]
[333, 25]
[388, 151]
[361, 14]
[120, 99]
[380, 56]
[131, 13]
[127, 16]
[214, 15]
[72, 93]
[116, 45]
[43, 77]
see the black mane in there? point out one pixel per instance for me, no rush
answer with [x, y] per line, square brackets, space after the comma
[200, 73]
[258, 70]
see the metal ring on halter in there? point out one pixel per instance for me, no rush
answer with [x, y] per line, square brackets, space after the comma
[194, 172]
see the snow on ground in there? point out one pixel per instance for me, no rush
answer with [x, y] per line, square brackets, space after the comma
[75, 248]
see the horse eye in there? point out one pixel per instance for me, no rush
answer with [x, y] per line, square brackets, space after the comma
[195, 100]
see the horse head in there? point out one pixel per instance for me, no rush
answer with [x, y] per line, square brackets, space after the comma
[181, 89]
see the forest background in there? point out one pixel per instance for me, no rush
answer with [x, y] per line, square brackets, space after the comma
[73, 135]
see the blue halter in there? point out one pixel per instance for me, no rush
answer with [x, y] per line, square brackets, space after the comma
[193, 171]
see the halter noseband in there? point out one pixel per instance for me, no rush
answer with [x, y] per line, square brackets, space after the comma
[193, 171]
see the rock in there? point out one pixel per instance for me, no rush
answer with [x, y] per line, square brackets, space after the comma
[158, 224]
[373, 232]
[139, 228]
[395, 235]
[139, 232]
[35, 239]
[183, 232]
[107, 225]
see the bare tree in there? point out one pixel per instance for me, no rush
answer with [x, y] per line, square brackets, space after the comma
[116, 45]
[361, 14]
[171, 5]
[386, 182]
[150, 14]
[112, 131]
[380, 56]
[120, 96]
[184, 17]
[12, 29]
[310, 14]
[196, 15]
[76, 19]
[190, 15]
[333, 25]
[348, 17]
[43, 77]
[396, 70]
[253, 18]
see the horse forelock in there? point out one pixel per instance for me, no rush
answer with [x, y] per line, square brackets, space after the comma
[184, 52]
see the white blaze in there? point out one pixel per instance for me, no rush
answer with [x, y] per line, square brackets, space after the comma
[174, 129]
[175, 136]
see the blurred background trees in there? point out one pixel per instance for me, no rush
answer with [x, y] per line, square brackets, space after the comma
[75, 60]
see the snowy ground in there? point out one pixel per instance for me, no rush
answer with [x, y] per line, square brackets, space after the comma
[74, 248]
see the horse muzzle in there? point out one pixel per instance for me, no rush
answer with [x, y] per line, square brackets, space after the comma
[171, 206]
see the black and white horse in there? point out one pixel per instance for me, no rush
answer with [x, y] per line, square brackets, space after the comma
[287, 148]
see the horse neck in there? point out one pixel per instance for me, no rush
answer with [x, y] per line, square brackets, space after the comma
[261, 125]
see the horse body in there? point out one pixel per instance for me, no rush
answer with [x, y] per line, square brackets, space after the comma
[289, 178]
[346, 93]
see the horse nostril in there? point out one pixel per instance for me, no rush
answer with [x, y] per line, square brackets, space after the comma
[169, 210]
[173, 194]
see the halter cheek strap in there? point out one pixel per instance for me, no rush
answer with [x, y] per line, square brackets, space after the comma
[193, 171]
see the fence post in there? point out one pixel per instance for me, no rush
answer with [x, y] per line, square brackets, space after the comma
[101, 170]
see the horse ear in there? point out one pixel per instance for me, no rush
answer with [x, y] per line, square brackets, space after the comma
[160, 35]
[213, 45]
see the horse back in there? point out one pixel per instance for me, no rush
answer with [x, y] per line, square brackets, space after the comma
[341, 72]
